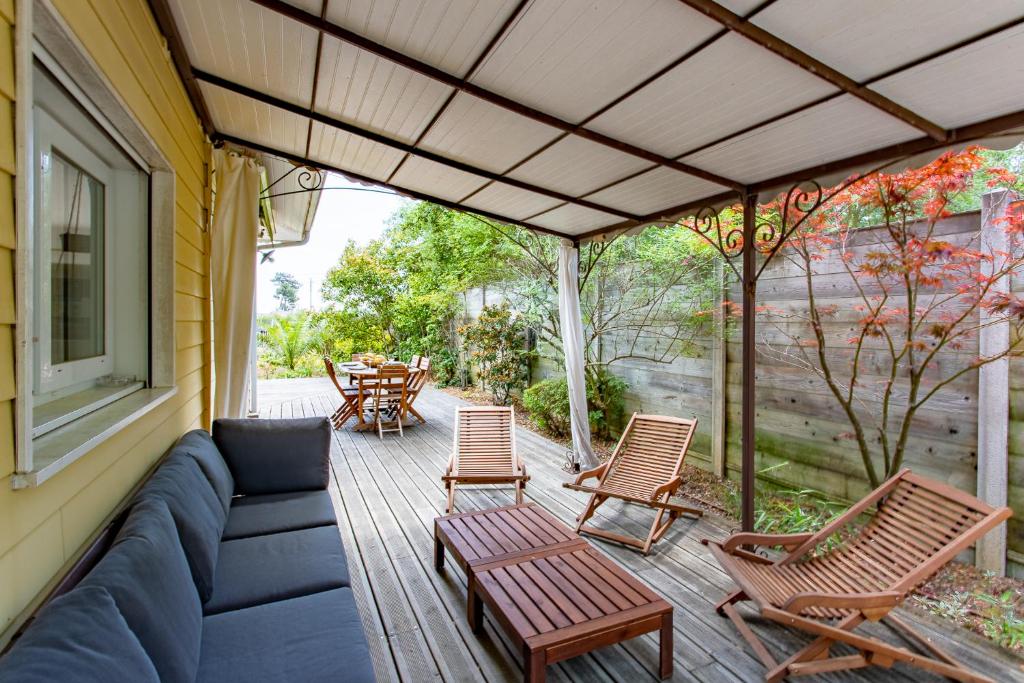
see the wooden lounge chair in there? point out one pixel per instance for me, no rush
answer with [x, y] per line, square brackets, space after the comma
[644, 468]
[892, 541]
[416, 383]
[349, 397]
[484, 451]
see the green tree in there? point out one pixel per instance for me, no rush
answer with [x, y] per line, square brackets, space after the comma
[286, 291]
[287, 338]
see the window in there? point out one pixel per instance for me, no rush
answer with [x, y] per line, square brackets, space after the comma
[90, 266]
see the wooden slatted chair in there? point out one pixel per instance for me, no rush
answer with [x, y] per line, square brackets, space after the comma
[891, 541]
[484, 451]
[416, 383]
[644, 468]
[349, 397]
[389, 398]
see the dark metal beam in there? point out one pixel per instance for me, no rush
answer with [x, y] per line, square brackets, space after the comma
[464, 85]
[414, 194]
[399, 145]
[796, 56]
[165, 22]
[974, 131]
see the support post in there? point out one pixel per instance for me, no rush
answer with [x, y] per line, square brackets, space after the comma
[748, 403]
[993, 390]
[719, 377]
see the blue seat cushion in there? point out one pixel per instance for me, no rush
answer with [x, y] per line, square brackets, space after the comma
[81, 637]
[276, 512]
[146, 573]
[197, 514]
[276, 456]
[312, 638]
[262, 569]
[199, 445]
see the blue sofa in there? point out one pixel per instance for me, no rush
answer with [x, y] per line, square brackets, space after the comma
[228, 567]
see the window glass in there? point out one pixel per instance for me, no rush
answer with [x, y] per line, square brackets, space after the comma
[77, 224]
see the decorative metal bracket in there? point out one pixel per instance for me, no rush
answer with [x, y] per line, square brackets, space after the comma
[312, 179]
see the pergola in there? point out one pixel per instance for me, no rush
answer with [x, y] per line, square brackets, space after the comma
[585, 119]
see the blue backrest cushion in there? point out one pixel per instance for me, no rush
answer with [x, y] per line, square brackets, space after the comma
[199, 445]
[276, 456]
[197, 514]
[80, 636]
[146, 573]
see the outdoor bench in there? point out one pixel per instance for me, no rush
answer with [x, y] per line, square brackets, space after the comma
[228, 566]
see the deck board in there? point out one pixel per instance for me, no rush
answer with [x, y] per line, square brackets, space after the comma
[387, 493]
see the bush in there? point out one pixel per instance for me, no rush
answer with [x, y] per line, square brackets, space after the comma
[548, 404]
[496, 342]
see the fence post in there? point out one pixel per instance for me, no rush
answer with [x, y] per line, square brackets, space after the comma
[993, 391]
[719, 376]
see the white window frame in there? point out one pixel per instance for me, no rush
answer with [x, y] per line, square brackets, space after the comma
[42, 33]
[50, 134]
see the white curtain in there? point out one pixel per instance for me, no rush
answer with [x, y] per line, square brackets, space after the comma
[572, 344]
[233, 262]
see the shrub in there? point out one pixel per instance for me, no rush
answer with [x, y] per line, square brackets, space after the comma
[496, 342]
[548, 405]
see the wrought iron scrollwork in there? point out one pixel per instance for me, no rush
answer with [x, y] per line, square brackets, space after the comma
[308, 179]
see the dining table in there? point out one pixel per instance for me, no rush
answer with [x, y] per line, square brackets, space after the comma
[364, 377]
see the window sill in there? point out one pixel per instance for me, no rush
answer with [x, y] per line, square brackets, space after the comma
[55, 450]
[55, 414]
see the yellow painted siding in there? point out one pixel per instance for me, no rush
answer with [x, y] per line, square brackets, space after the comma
[43, 529]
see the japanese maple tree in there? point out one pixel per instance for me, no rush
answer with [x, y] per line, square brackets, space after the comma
[920, 296]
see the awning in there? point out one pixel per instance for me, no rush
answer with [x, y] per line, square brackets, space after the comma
[580, 117]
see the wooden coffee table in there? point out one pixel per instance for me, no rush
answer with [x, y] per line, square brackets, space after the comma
[553, 594]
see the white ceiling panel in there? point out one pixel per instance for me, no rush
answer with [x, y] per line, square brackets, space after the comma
[657, 189]
[477, 132]
[254, 121]
[833, 130]
[436, 179]
[245, 43]
[447, 34]
[352, 153]
[576, 166]
[572, 58]
[949, 91]
[868, 37]
[728, 86]
[574, 220]
[375, 94]
[513, 202]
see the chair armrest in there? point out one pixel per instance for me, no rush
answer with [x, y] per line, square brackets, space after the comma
[787, 541]
[275, 456]
[873, 605]
[668, 487]
[590, 474]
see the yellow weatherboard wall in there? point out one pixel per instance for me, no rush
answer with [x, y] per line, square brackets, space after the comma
[43, 529]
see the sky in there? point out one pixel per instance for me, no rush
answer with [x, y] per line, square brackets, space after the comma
[343, 215]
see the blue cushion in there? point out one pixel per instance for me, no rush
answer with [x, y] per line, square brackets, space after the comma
[197, 514]
[78, 637]
[254, 571]
[199, 444]
[146, 573]
[314, 638]
[276, 456]
[276, 512]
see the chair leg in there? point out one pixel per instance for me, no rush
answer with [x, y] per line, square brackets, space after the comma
[451, 498]
[588, 511]
[653, 535]
[519, 491]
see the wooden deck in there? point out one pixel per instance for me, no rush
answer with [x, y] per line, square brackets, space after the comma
[388, 493]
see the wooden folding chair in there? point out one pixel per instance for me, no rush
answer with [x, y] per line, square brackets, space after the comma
[484, 451]
[416, 383]
[644, 469]
[890, 542]
[389, 398]
[349, 397]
